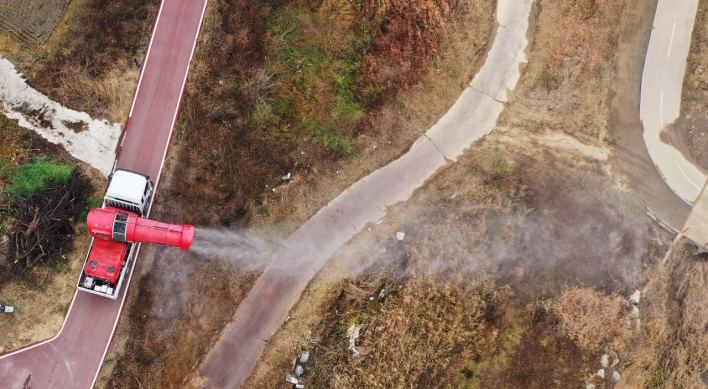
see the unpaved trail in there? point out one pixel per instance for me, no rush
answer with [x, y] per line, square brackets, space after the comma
[89, 140]
[473, 115]
[631, 151]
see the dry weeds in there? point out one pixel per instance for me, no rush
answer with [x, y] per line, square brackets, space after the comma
[673, 351]
[592, 318]
[565, 86]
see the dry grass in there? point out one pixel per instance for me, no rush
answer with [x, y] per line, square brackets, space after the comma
[593, 319]
[565, 86]
[418, 347]
[114, 91]
[673, 352]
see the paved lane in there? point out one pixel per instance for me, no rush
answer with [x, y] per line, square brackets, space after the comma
[661, 94]
[72, 359]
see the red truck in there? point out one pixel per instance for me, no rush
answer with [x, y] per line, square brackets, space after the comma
[116, 229]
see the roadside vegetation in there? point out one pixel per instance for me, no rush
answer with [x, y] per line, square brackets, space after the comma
[44, 196]
[90, 62]
[325, 91]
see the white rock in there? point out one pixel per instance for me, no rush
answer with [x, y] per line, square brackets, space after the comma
[601, 373]
[615, 362]
[304, 357]
[590, 386]
[289, 378]
[616, 376]
[634, 298]
[299, 370]
[635, 311]
[605, 360]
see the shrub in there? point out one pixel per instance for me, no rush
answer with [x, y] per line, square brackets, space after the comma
[27, 180]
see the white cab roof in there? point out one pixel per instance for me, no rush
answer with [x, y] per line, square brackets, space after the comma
[127, 186]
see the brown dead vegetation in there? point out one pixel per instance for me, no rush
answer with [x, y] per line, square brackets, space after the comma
[566, 83]
[592, 318]
[554, 259]
[403, 44]
[93, 68]
[672, 352]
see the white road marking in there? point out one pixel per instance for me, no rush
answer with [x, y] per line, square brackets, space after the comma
[147, 55]
[671, 42]
[123, 140]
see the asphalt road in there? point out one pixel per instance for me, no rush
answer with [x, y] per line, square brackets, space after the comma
[72, 359]
[661, 94]
[474, 114]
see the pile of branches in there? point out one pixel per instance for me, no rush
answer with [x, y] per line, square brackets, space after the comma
[44, 224]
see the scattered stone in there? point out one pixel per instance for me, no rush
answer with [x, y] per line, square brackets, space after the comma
[635, 311]
[299, 386]
[601, 373]
[287, 177]
[634, 298]
[304, 357]
[291, 379]
[400, 235]
[616, 376]
[299, 370]
[615, 362]
[605, 360]
[589, 386]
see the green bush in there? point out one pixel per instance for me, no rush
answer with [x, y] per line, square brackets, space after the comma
[27, 180]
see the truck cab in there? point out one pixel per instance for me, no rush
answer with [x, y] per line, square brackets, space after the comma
[108, 260]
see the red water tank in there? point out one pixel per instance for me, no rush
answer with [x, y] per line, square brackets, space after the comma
[124, 226]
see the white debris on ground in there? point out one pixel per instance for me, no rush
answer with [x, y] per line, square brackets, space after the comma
[634, 298]
[304, 357]
[353, 334]
[400, 236]
[605, 361]
[92, 141]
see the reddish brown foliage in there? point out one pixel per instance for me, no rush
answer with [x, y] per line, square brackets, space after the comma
[403, 43]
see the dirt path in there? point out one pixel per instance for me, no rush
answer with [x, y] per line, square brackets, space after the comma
[631, 152]
[279, 288]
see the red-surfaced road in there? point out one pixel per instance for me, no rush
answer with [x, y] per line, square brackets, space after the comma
[72, 359]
